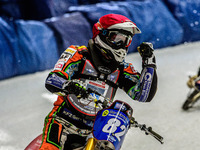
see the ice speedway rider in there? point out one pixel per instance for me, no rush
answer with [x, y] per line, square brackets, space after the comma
[99, 66]
[194, 94]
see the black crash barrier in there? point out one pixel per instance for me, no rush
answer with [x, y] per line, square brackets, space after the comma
[34, 9]
[11, 8]
[43, 9]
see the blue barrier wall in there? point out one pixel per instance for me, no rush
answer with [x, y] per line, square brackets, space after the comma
[157, 24]
[26, 47]
[8, 44]
[70, 29]
[187, 14]
[34, 33]
[94, 11]
[37, 47]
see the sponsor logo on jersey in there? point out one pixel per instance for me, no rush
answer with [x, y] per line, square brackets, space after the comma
[104, 69]
[70, 51]
[64, 57]
[89, 70]
[132, 68]
[59, 65]
[98, 85]
[112, 77]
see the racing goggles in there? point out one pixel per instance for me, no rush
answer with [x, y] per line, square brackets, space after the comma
[119, 39]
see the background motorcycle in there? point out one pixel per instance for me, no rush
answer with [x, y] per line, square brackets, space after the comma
[193, 95]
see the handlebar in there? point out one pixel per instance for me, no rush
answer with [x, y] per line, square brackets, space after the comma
[107, 102]
[148, 131]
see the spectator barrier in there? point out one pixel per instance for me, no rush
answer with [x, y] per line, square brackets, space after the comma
[187, 14]
[26, 47]
[153, 18]
[33, 33]
[70, 29]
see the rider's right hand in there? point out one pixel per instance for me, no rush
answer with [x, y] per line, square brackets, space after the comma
[75, 88]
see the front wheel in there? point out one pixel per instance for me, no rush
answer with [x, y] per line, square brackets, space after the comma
[187, 104]
[191, 100]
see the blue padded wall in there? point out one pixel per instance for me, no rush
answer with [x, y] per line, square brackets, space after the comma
[8, 44]
[26, 47]
[93, 12]
[153, 18]
[37, 46]
[157, 24]
[187, 13]
[70, 29]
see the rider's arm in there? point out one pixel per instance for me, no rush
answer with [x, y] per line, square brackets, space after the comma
[143, 87]
[139, 87]
[147, 85]
[63, 71]
[148, 79]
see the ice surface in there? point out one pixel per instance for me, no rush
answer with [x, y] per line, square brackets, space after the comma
[25, 102]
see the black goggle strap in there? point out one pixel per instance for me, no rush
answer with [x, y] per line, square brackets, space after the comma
[106, 31]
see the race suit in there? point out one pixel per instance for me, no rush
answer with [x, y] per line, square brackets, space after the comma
[66, 127]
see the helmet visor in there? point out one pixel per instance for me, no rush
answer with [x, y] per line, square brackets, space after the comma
[118, 39]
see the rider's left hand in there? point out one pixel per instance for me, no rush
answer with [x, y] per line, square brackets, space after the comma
[190, 82]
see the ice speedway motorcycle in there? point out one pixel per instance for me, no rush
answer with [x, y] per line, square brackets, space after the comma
[112, 122]
[193, 95]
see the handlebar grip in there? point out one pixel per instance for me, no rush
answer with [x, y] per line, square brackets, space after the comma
[147, 130]
[156, 135]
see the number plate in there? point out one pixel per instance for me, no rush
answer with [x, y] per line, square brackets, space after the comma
[111, 125]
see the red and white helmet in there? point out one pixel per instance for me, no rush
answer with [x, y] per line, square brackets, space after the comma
[113, 35]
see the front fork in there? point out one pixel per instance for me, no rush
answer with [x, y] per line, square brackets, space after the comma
[90, 144]
[196, 97]
[193, 96]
